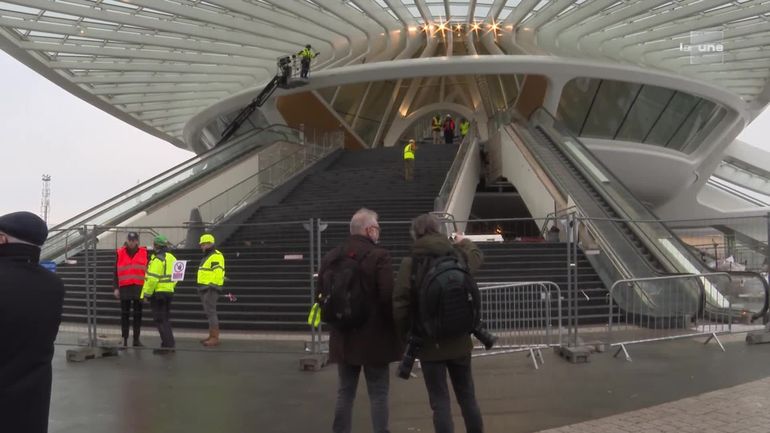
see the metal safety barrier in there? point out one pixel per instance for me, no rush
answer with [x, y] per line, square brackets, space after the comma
[669, 308]
[522, 316]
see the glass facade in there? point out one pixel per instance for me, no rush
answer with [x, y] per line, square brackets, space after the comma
[373, 109]
[347, 100]
[620, 110]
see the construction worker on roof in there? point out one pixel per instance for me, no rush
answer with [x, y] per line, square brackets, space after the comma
[211, 278]
[306, 55]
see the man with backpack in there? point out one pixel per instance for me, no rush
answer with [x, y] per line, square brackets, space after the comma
[355, 298]
[452, 352]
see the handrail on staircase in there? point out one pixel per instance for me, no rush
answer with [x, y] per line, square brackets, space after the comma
[442, 199]
[554, 216]
[239, 194]
[123, 206]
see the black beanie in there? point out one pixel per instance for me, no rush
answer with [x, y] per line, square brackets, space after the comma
[24, 226]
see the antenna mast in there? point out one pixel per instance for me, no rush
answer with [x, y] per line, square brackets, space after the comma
[45, 201]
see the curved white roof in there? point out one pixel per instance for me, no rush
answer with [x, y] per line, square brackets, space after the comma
[156, 63]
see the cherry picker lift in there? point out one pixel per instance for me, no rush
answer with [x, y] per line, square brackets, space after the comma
[287, 77]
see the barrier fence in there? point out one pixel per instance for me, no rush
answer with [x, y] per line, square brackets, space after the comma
[669, 308]
[523, 317]
[265, 293]
[271, 269]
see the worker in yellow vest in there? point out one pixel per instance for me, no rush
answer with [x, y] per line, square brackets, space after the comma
[159, 289]
[306, 55]
[409, 151]
[465, 126]
[211, 278]
[435, 127]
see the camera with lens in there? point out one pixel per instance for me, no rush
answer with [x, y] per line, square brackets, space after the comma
[413, 346]
[485, 337]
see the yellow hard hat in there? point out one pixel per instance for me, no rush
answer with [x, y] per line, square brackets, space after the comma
[207, 238]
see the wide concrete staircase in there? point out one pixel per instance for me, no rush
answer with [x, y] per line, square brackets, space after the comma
[269, 255]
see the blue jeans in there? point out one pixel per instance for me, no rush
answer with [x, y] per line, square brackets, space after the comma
[438, 393]
[377, 383]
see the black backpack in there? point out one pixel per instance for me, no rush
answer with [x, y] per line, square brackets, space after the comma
[447, 297]
[343, 300]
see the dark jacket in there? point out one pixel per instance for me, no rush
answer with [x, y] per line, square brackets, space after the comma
[432, 245]
[375, 343]
[31, 300]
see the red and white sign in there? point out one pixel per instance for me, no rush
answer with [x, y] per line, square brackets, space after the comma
[177, 274]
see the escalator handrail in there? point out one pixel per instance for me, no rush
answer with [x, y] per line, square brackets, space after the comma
[618, 186]
[614, 258]
[442, 198]
[144, 186]
[55, 248]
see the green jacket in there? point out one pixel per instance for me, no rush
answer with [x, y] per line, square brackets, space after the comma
[432, 350]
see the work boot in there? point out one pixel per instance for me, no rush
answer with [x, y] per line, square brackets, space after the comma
[206, 340]
[214, 339]
[163, 351]
[125, 343]
[137, 343]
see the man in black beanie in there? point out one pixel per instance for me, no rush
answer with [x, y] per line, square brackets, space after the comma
[30, 313]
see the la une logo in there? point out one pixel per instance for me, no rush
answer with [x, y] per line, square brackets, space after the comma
[702, 48]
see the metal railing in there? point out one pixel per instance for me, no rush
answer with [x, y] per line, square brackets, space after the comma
[526, 316]
[553, 217]
[521, 316]
[221, 206]
[126, 205]
[670, 312]
[442, 199]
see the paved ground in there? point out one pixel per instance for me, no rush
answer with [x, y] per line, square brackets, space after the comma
[743, 408]
[255, 386]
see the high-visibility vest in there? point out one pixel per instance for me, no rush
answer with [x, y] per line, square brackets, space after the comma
[408, 151]
[158, 275]
[131, 269]
[306, 53]
[464, 127]
[211, 271]
[437, 123]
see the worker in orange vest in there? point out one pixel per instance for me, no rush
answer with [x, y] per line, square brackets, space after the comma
[130, 267]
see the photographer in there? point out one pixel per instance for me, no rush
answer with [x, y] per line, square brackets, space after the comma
[452, 355]
[357, 277]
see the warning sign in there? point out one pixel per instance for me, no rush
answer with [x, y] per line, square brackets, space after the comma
[178, 272]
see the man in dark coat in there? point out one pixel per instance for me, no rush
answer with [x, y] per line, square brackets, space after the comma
[30, 313]
[451, 355]
[374, 344]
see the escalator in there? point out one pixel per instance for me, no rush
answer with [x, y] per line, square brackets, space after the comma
[634, 243]
[66, 240]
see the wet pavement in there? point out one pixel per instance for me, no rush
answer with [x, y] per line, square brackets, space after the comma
[256, 386]
[742, 408]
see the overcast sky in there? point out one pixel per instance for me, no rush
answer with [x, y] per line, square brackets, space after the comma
[90, 155]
